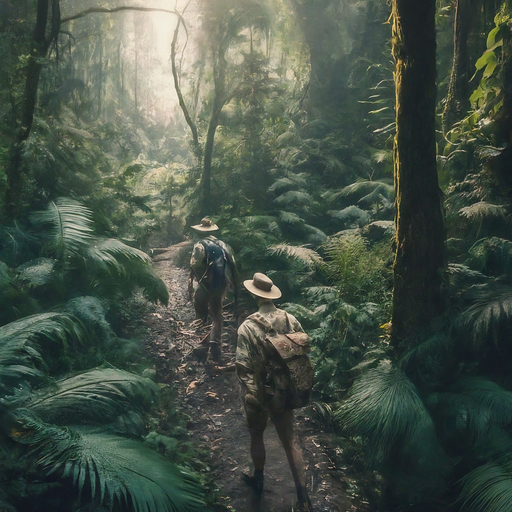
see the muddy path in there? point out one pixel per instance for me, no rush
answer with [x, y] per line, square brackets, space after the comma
[210, 398]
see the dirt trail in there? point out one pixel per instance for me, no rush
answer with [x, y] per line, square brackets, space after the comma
[212, 401]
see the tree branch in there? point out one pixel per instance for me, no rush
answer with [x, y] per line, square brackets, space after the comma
[115, 9]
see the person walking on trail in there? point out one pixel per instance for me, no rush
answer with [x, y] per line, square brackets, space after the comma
[212, 265]
[260, 401]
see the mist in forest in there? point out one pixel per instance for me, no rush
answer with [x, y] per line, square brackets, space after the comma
[355, 151]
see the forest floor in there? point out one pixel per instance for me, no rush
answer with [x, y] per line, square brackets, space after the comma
[209, 396]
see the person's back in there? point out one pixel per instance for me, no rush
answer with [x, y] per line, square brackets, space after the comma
[212, 265]
[253, 363]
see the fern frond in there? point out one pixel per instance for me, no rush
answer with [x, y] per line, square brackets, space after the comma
[362, 188]
[280, 184]
[20, 355]
[37, 272]
[351, 214]
[153, 287]
[71, 226]
[482, 210]
[290, 218]
[306, 256]
[294, 197]
[94, 397]
[91, 312]
[115, 469]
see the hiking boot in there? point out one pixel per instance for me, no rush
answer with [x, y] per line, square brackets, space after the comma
[254, 483]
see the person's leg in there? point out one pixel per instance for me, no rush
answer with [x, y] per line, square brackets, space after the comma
[201, 304]
[216, 334]
[257, 422]
[283, 421]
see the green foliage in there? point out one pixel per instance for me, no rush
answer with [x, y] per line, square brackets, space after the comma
[95, 397]
[358, 269]
[115, 470]
[385, 408]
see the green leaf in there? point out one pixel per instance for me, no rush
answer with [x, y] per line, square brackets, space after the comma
[116, 469]
[71, 226]
[94, 397]
[484, 60]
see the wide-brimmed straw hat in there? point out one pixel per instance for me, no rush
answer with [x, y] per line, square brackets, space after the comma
[206, 225]
[262, 286]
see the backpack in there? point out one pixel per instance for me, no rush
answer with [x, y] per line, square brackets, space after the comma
[214, 278]
[289, 373]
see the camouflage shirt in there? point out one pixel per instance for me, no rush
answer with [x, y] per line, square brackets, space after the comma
[199, 264]
[251, 357]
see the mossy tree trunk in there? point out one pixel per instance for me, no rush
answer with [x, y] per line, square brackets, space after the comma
[420, 292]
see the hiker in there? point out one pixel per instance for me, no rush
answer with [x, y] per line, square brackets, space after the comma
[253, 361]
[212, 265]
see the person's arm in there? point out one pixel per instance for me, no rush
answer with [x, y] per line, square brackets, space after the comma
[244, 362]
[197, 257]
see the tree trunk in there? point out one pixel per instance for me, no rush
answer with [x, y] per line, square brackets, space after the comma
[420, 292]
[206, 179]
[40, 44]
[457, 100]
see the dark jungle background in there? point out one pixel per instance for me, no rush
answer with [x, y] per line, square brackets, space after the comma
[358, 151]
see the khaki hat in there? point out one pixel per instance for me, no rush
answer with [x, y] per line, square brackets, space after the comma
[206, 225]
[262, 286]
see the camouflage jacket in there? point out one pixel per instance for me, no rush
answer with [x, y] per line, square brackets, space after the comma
[251, 356]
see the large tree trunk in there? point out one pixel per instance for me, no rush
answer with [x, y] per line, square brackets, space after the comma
[457, 100]
[40, 44]
[420, 292]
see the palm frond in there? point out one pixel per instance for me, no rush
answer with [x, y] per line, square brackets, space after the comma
[328, 293]
[363, 188]
[37, 272]
[281, 183]
[351, 215]
[426, 361]
[306, 256]
[489, 395]
[385, 409]
[482, 210]
[294, 197]
[91, 312]
[488, 488]
[153, 287]
[115, 469]
[20, 355]
[113, 248]
[492, 255]
[492, 304]
[290, 218]
[71, 226]
[98, 396]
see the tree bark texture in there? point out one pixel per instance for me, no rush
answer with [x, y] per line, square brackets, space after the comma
[457, 100]
[420, 293]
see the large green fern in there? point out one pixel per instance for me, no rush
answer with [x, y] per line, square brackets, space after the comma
[71, 226]
[20, 353]
[97, 397]
[112, 469]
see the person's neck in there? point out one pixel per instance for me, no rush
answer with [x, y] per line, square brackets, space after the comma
[266, 306]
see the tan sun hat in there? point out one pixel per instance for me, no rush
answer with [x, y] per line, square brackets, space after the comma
[262, 286]
[206, 225]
